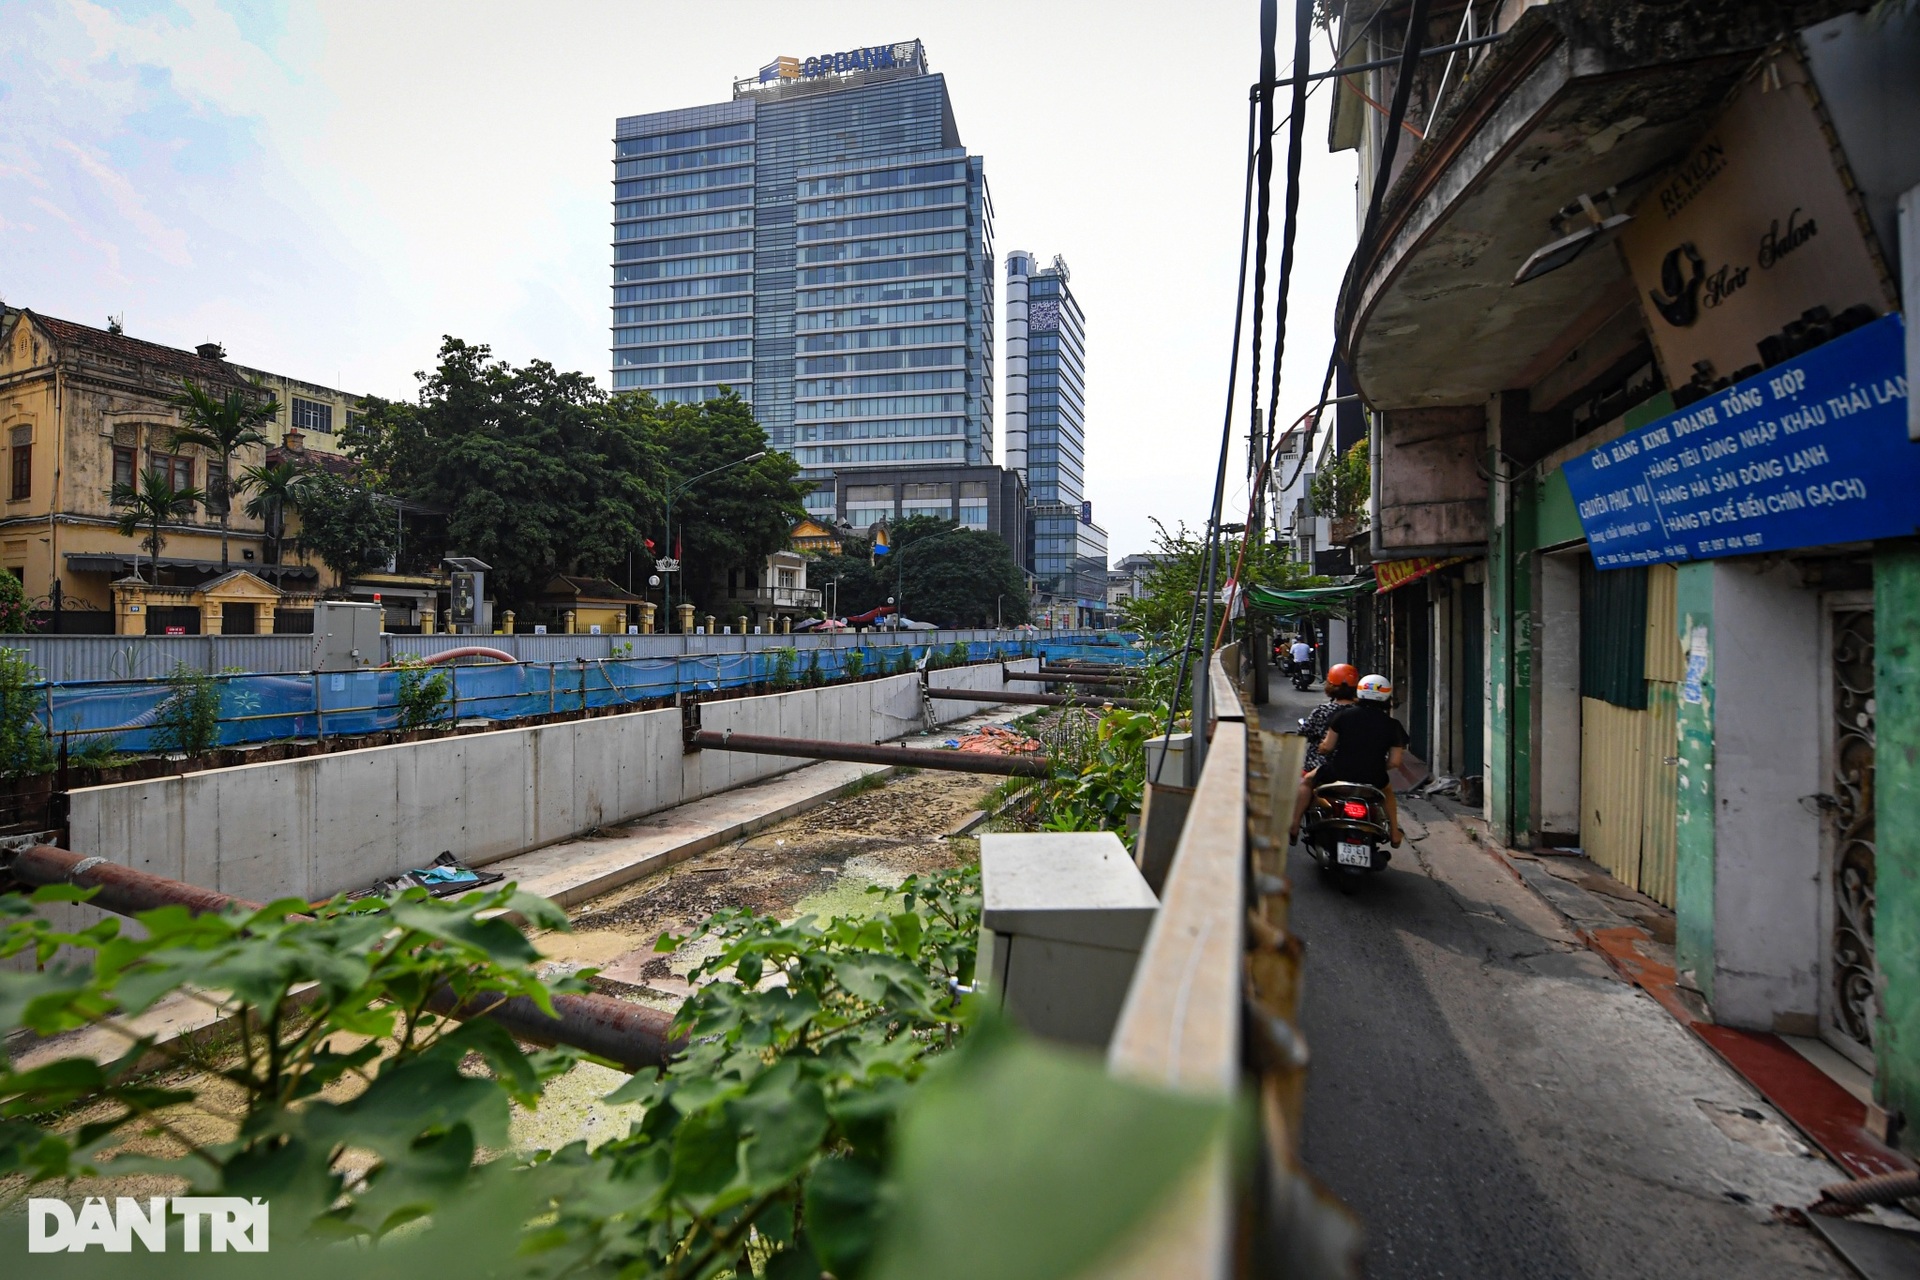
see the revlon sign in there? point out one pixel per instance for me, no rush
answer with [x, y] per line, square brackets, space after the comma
[1754, 227]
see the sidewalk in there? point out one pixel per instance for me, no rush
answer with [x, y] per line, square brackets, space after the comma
[1825, 1096]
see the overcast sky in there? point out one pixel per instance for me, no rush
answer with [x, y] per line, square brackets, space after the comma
[326, 188]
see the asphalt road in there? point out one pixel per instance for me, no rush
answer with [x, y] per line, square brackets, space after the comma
[1492, 1102]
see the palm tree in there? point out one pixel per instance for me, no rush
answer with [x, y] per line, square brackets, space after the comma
[224, 426]
[274, 490]
[155, 504]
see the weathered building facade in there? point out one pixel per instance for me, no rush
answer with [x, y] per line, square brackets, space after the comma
[84, 409]
[1630, 341]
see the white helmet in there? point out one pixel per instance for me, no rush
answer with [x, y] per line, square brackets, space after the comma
[1376, 689]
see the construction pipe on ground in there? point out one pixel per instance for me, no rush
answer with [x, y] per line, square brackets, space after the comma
[1038, 699]
[1034, 766]
[632, 1035]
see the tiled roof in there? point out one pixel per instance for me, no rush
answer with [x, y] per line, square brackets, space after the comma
[118, 347]
[338, 463]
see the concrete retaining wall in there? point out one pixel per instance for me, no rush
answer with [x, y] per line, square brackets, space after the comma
[321, 825]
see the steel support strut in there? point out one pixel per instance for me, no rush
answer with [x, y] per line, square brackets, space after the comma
[875, 753]
[1036, 699]
[632, 1035]
[1051, 677]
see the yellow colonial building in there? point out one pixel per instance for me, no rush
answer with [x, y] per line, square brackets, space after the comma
[82, 409]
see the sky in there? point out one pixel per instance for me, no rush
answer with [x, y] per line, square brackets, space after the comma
[327, 188]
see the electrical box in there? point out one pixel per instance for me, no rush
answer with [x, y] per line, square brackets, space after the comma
[346, 635]
[1178, 769]
[1063, 917]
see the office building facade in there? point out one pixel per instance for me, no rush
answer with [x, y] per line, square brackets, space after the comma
[822, 244]
[989, 499]
[1046, 344]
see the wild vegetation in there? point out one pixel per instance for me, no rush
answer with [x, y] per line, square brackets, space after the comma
[792, 1137]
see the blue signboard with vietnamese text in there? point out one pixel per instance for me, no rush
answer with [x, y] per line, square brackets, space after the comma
[1810, 452]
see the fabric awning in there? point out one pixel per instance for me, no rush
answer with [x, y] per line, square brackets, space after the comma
[1295, 599]
[1393, 574]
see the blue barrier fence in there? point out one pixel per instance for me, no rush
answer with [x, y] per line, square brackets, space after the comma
[123, 715]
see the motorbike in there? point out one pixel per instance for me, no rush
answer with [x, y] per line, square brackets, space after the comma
[1346, 831]
[1302, 675]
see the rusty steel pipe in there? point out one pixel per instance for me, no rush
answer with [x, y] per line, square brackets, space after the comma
[631, 1035]
[122, 890]
[1036, 699]
[1112, 673]
[875, 753]
[1071, 677]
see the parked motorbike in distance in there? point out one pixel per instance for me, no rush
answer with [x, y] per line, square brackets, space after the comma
[1346, 831]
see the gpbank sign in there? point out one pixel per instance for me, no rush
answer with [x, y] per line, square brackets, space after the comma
[872, 58]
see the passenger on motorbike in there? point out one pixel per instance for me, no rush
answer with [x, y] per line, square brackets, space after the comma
[1362, 744]
[1343, 684]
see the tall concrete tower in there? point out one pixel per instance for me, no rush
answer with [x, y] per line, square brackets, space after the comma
[1019, 267]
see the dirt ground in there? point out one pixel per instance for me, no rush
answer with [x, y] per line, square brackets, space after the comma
[820, 863]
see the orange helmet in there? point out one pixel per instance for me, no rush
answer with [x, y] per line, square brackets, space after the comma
[1343, 675]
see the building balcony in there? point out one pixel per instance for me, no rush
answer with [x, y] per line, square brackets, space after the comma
[800, 599]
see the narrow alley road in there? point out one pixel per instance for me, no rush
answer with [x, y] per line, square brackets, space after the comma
[1492, 1102]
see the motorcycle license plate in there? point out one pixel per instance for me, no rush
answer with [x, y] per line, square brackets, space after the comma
[1353, 855]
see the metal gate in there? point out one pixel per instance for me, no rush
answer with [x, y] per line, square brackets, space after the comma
[1851, 996]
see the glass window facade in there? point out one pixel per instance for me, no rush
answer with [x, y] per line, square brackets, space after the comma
[1046, 437]
[825, 248]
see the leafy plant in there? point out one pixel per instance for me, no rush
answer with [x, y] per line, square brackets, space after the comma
[15, 617]
[338, 997]
[1343, 489]
[855, 663]
[421, 693]
[784, 661]
[223, 427]
[24, 745]
[153, 504]
[902, 660]
[812, 677]
[188, 720]
[344, 523]
[772, 1130]
[273, 492]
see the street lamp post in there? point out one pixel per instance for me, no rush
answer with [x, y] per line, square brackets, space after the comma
[681, 488]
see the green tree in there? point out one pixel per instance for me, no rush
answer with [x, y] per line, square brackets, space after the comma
[153, 504]
[344, 523]
[1172, 590]
[736, 518]
[272, 494]
[539, 471]
[959, 578]
[223, 427]
[1342, 490]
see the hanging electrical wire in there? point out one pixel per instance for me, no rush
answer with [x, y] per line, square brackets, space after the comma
[1233, 373]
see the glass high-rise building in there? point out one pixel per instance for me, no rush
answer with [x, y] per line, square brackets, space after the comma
[823, 245]
[1046, 439]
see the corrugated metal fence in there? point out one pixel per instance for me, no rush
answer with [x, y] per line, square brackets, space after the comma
[66, 658]
[1629, 756]
[128, 715]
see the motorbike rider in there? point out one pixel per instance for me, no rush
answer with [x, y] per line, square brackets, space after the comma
[1302, 653]
[1363, 744]
[1343, 685]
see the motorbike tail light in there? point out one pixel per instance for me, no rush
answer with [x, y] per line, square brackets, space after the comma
[1354, 808]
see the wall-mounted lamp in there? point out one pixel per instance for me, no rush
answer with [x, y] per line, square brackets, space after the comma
[1558, 253]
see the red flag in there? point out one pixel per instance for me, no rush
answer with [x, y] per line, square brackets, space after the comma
[649, 546]
[677, 543]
